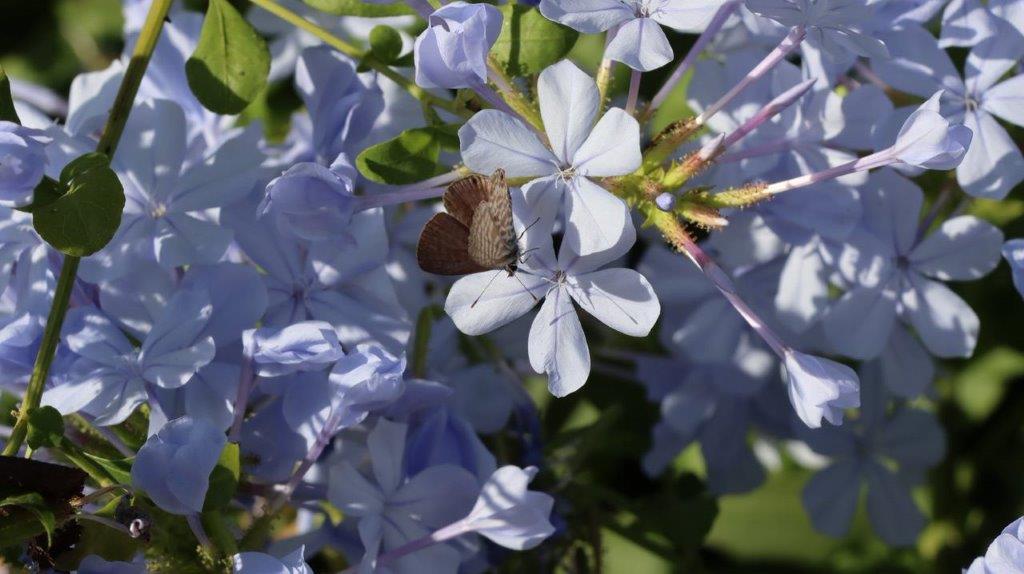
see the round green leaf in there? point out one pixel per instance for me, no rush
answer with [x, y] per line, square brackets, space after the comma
[360, 8]
[45, 427]
[230, 65]
[385, 44]
[87, 215]
[408, 158]
[529, 42]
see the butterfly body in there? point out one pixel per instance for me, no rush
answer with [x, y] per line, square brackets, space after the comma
[476, 234]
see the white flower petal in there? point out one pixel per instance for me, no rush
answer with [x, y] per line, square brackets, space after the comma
[569, 102]
[557, 345]
[492, 140]
[619, 298]
[482, 302]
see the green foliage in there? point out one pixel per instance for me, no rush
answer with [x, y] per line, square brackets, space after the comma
[86, 215]
[360, 8]
[529, 42]
[45, 427]
[24, 516]
[230, 65]
[119, 469]
[409, 158]
[7, 111]
[385, 44]
[224, 478]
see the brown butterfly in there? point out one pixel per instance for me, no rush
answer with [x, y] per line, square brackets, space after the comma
[477, 233]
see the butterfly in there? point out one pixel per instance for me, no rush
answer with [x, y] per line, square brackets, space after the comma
[476, 234]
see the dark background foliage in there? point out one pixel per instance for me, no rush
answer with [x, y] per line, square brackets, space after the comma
[616, 519]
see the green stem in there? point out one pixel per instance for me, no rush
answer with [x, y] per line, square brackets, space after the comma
[65, 284]
[47, 349]
[421, 344]
[355, 53]
[77, 457]
[219, 533]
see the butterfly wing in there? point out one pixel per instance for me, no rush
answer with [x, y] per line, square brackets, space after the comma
[492, 238]
[443, 248]
[462, 198]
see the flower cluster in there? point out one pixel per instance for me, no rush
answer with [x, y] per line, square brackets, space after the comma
[257, 335]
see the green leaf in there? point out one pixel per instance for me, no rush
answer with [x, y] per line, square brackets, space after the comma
[408, 158]
[224, 478]
[7, 111]
[45, 427]
[230, 65]
[34, 504]
[48, 191]
[529, 42]
[385, 44]
[87, 215]
[360, 8]
[119, 469]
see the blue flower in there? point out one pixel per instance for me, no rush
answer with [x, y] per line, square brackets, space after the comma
[312, 202]
[173, 467]
[994, 164]
[864, 451]
[112, 377]
[341, 107]
[639, 41]
[22, 163]
[893, 272]
[305, 346]
[345, 285]
[394, 508]
[452, 51]
[171, 195]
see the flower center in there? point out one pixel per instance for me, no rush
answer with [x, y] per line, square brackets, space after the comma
[567, 174]
[159, 210]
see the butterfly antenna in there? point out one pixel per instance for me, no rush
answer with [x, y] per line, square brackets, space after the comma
[527, 289]
[535, 221]
[486, 287]
[525, 255]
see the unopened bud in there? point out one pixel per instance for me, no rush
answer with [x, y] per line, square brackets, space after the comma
[666, 201]
[744, 196]
[702, 215]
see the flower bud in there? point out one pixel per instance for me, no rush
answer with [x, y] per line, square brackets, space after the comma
[452, 52]
[928, 140]
[820, 388]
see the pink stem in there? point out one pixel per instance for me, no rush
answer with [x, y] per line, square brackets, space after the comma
[725, 285]
[774, 107]
[444, 534]
[365, 202]
[246, 381]
[868, 162]
[788, 44]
